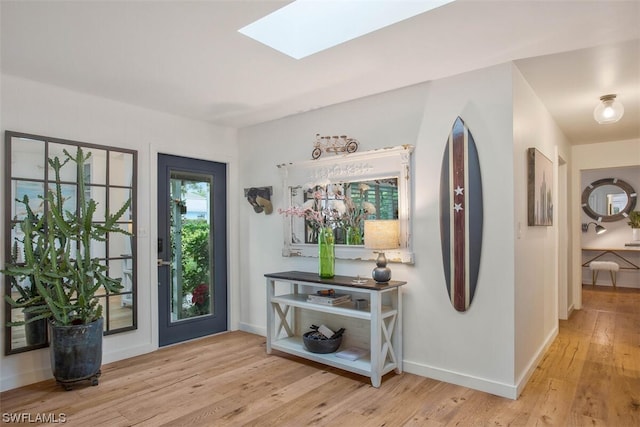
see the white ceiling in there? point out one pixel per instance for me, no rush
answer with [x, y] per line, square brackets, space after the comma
[187, 58]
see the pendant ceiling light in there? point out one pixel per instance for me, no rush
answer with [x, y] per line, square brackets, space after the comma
[609, 110]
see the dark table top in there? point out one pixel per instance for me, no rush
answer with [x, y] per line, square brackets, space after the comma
[349, 281]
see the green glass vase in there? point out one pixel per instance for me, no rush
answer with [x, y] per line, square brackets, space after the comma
[353, 236]
[326, 253]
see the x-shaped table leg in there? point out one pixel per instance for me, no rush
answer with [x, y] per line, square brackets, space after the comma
[387, 346]
[283, 319]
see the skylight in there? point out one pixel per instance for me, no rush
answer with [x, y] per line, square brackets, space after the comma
[305, 27]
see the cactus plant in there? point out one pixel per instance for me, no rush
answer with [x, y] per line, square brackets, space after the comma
[57, 255]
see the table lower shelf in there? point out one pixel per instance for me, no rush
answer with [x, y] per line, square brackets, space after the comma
[362, 366]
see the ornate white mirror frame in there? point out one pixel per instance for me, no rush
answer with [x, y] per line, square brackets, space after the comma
[381, 164]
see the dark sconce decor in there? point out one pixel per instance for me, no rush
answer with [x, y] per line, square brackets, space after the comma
[599, 228]
[260, 199]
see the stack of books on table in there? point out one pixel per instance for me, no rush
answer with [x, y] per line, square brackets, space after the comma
[332, 299]
[352, 353]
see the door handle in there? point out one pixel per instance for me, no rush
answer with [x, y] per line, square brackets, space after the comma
[162, 263]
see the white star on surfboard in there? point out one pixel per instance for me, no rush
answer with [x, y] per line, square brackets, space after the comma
[457, 207]
[459, 191]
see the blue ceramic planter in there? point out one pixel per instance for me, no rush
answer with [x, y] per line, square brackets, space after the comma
[76, 352]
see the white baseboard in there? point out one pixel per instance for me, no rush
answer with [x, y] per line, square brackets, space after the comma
[258, 330]
[25, 378]
[43, 371]
[117, 355]
[570, 310]
[511, 391]
[482, 384]
[533, 363]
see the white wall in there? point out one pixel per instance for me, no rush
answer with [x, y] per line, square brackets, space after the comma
[612, 154]
[475, 348]
[35, 108]
[536, 254]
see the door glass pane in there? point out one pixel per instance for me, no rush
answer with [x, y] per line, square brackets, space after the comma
[191, 254]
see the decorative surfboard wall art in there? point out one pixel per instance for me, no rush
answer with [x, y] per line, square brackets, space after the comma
[461, 215]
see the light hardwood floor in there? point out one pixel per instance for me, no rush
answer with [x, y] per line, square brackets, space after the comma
[590, 376]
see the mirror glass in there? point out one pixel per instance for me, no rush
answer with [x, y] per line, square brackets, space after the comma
[608, 199]
[109, 174]
[345, 191]
[345, 208]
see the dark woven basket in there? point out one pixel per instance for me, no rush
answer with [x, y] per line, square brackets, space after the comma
[316, 345]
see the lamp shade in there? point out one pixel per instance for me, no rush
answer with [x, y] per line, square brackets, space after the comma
[599, 229]
[382, 234]
[608, 110]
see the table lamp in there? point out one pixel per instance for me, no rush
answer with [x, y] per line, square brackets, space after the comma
[381, 234]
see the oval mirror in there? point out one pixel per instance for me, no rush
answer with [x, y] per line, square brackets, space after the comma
[608, 199]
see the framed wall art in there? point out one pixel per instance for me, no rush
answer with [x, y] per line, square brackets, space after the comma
[539, 188]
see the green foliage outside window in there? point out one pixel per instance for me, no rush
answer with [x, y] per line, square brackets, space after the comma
[195, 253]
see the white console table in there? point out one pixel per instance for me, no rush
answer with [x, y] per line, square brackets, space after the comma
[384, 313]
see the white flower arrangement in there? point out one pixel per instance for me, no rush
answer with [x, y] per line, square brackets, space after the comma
[329, 205]
[325, 206]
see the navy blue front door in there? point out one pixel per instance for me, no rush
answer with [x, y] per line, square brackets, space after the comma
[192, 248]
